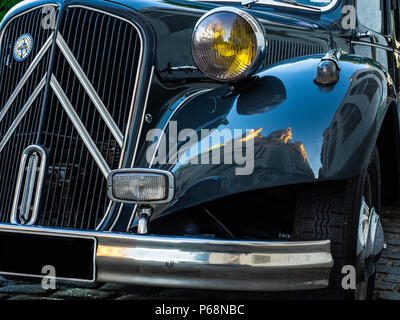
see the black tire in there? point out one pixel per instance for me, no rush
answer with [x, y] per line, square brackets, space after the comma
[331, 210]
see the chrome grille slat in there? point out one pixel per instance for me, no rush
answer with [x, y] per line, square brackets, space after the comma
[69, 109]
[90, 90]
[22, 113]
[67, 125]
[24, 78]
[79, 221]
[103, 90]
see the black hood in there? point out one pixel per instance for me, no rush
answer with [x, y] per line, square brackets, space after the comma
[173, 23]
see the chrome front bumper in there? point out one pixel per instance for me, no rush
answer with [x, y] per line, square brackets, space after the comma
[203, 263]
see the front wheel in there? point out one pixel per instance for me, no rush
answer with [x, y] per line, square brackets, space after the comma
[343, 211]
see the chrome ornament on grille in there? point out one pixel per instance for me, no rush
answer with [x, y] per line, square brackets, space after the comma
[29, 185]
[23, 47]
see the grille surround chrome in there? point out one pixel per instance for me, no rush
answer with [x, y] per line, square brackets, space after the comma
[121, 138]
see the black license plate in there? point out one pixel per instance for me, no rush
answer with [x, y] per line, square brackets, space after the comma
[25, 254]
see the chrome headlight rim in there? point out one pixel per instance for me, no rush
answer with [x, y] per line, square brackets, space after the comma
[259, 32]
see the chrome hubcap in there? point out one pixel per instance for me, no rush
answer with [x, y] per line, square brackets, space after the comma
[370, 244]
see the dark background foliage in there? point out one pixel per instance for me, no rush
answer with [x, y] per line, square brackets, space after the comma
[6, 5]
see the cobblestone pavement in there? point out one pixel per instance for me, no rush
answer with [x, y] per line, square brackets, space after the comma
[387, 281]
[17, 290]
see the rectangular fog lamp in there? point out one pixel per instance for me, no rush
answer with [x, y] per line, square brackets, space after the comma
[140, 186]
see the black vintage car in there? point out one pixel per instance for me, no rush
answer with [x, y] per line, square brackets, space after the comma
[200, 144]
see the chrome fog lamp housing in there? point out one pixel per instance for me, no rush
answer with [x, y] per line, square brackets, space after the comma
[228, 44]
[140, 186]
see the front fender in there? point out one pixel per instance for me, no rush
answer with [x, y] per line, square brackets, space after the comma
[301, 132]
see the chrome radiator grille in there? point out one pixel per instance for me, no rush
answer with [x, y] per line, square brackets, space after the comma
[80, 117]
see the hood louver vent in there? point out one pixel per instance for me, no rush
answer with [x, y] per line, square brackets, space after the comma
[280, 50]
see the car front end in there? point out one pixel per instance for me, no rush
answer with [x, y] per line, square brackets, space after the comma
[94, 93]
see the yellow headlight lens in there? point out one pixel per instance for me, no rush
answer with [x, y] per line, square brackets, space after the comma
[225, 45]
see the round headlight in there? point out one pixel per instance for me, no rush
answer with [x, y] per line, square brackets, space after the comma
[228, 44]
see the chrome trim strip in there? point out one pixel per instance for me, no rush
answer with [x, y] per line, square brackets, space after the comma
[143, 115]
[203, 262]
[372, 45]
[87, 140]
[169, 119]
[22, 113]
[39, 183]
[42, 169]
[25, 77]
[98, 103]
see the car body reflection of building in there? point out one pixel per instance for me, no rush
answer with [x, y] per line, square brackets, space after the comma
[350, 119]
[277, 155]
